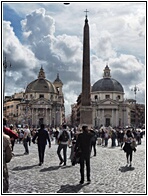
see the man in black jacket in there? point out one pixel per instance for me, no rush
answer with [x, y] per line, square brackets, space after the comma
[83, 143]
[42, 137]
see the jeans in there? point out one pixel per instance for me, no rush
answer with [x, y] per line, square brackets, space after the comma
[64, 147]
[106, 141]
[93, 145]
[113, 142]
[25, 143]
[41, 151]
[84, 159]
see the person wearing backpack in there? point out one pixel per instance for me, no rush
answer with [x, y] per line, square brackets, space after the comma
[64, 140]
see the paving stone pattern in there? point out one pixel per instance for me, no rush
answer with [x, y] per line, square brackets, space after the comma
[109, 173]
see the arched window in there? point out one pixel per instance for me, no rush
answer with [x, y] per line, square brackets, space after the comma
[96, 97]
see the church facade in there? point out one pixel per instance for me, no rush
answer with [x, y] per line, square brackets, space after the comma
[42, 102]
[109, 106]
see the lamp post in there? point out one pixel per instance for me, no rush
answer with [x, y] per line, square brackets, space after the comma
[135, 89]
[5, 65]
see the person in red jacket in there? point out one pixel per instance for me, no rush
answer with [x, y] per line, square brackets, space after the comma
[9, 132]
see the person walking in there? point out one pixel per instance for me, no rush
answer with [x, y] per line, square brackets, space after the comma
[7, 156]
[113, 137]
[93, 141]
[12, 138]
[56, 133]
[64, 140]
[42, 137]
[83, 143]
[128, 148]
[106, 137]
[13, 135]
[25, 139]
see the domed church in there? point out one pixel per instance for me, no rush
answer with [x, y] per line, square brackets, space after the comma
[109, 106]
[43, 102]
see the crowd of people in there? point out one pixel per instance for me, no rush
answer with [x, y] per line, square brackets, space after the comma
[82, 140]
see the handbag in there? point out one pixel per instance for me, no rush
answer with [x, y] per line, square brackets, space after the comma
[133, 144]
[76, 157]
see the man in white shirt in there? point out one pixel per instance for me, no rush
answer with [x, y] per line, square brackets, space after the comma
[25, 139]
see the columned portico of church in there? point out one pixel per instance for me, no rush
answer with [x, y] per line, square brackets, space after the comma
[107, 98]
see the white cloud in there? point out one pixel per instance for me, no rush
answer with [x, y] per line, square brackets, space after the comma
[53, 38]
[38, 24]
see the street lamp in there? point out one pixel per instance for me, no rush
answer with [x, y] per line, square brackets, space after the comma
[135, 89]
[5, 65]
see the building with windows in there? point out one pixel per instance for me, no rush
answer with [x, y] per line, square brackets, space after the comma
[110, 108]
[42, 102]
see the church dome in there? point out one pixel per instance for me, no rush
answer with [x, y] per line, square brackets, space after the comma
[107, 83]
[41, 85]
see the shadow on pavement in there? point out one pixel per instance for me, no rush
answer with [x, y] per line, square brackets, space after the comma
[50, 168]
[24, 167]
[125, 169]
[71, 188]
[66, 166]
[18, 155]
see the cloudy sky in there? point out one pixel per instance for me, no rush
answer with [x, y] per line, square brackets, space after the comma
[51, 35]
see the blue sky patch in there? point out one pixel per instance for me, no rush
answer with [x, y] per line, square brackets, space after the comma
[14, 18]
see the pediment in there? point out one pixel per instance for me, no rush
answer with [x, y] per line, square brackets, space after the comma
[108, 102]
[40, 101]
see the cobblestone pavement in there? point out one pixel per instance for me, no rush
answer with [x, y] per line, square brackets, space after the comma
[109, 173]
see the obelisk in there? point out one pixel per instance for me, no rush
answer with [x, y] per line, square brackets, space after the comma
[86, 108]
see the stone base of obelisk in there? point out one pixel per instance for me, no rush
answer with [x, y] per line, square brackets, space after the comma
[86, 116]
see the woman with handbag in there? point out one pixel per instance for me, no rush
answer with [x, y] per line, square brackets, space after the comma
[129, 146]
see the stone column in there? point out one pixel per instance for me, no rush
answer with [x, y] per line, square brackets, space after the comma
[103, 119]
[112, 117]
[117, 117]
[50, 122]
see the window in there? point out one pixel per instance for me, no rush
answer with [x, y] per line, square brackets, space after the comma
[41, 96]
[58, 89]
[107, 96]
[96, 97]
